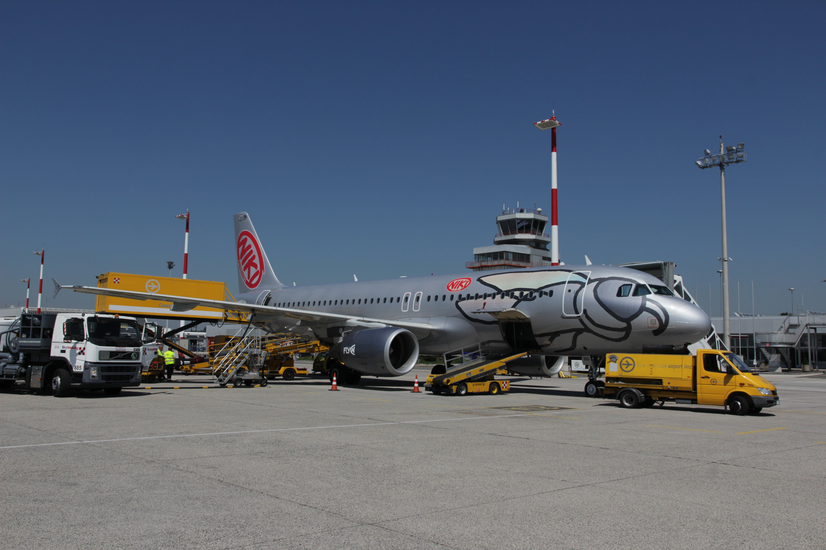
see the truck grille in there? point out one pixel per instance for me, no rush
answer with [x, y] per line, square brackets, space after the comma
[118, 373]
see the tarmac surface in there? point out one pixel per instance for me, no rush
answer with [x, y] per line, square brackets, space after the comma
[293, 465]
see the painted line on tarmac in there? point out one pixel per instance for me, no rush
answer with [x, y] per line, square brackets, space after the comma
[687, 429]
[273, 430]
[758, 431]
[800, 412]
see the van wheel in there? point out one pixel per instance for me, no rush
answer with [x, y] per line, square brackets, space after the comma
[629, 399]
[738, 405]
[591, 389]
[494, 388]
[61, 383]
[461, 389]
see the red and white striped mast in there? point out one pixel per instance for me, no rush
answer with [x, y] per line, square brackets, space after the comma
[28, 285]
[186, 240]
[42, 255]
[551, 124]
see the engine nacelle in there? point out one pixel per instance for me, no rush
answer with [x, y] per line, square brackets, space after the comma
[537, 365]
[388, 351]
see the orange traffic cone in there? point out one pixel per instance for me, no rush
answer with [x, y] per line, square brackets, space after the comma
[335, 386]
[416, 384]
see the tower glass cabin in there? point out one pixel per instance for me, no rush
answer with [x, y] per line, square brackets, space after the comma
[521, 242]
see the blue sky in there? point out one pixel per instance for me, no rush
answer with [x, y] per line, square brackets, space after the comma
[382, 138]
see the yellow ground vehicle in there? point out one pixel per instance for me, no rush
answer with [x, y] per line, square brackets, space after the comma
[473, 377]
[711, 377]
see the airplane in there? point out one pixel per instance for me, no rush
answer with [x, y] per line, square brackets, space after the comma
[380, 328]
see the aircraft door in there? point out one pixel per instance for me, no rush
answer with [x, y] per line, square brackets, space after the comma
[406, 302]
[573, 296]
[417, 301]
[715, 379]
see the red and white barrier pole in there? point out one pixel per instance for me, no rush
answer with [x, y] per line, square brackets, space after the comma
[42, 255]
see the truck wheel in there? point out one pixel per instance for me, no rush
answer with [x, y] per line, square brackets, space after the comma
[237, 383]
[111, 391]
[738, 405]
[629, 399]
[61, 383]
[461, 389]
[591, 389]
[494, 388]
[289, 374]
[264, 382]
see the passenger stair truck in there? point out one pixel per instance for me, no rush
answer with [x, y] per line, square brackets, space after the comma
[711, 377]
[58, 352]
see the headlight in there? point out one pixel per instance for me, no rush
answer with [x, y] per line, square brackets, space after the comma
[764, 391]
[93, 373]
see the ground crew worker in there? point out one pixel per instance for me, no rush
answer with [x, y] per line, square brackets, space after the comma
[162, 361]
[169, 359]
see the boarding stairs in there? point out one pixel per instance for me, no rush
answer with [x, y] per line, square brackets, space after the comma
[233, 356]
[712, 340]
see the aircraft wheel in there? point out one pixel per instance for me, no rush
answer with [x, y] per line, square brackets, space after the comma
[353, 378]
[629, 399]
[738, 405]
[461, 389]
[494, 388]
[591, 389]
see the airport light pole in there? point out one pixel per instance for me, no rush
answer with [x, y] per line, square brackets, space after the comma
[551, 124]
[42, 255]
[28, 285]
[728, 155]
[169, 266]
[186, 239]
[792, 291]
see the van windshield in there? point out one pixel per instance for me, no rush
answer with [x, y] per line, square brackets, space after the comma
[737, 362]
[108, 331]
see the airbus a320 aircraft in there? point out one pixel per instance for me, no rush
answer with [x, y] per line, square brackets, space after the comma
[380, 328]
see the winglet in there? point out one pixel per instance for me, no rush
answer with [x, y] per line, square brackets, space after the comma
[57, 287]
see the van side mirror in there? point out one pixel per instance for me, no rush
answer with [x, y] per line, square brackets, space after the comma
[73, 330]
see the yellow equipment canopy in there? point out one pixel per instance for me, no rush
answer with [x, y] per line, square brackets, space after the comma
[208, 290]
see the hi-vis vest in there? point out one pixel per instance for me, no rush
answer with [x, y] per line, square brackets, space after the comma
[168, 357]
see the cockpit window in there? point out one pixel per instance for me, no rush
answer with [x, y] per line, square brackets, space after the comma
[642, 290]
[661, 290]
[624, 290]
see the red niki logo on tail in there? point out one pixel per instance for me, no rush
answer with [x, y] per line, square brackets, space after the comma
[250, 259]
[458, 285]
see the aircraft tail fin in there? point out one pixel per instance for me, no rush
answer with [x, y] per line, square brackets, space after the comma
[254, 269]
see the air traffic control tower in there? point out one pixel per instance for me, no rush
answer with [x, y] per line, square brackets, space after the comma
[521, 242]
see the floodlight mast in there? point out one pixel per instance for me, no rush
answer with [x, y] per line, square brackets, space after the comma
[728, 155]
[552, 124]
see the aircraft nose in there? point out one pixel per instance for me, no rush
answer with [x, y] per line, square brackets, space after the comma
[688, 321]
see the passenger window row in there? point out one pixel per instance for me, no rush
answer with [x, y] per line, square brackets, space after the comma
[444, 298]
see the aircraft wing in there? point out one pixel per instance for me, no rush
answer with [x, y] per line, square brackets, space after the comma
[185, 303]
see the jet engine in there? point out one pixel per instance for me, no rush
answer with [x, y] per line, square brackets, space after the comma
[537, 365]
[386, 351]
